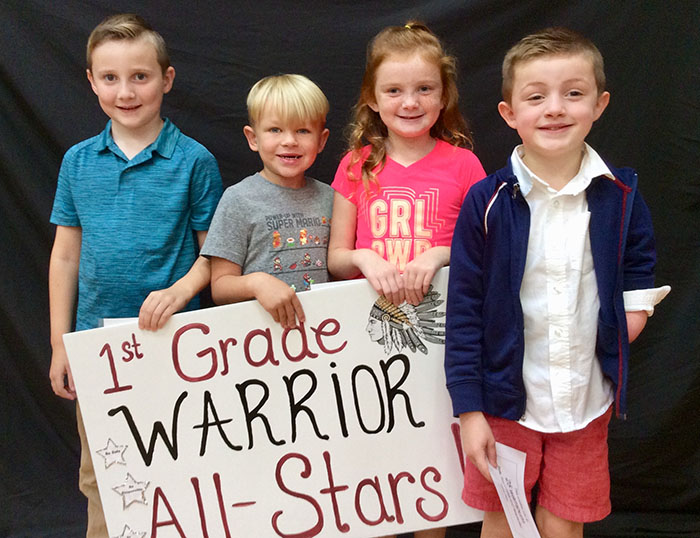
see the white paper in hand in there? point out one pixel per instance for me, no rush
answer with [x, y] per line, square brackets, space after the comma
[509, 479]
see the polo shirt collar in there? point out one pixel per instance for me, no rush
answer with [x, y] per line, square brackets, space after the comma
[592, 166]
[164, 144]
[167, 139]
[105, 140]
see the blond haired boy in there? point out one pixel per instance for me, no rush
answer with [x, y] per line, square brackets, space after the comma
[269, 236]
[132, 207]
[551, 278]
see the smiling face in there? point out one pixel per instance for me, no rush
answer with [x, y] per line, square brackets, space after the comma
[287, 148]
[130, 84]
[554, 102]
[408, 96]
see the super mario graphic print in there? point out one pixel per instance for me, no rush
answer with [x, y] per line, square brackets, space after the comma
[298, 244]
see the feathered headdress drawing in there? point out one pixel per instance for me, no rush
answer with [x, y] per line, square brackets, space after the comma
[407, 325]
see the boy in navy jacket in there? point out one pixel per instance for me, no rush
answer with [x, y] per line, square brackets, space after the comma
[552, 275]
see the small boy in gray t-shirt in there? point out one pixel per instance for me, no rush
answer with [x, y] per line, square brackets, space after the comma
[269, 235]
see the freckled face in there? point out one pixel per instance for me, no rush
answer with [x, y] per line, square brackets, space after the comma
[554, 104]
[129, 82]
[408, 96]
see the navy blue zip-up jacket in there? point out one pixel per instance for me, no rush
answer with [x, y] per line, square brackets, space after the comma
[484, 336]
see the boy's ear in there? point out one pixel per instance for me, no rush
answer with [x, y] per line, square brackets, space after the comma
[168, 79]
[507, 114]
[249, 133]
[323, 139]
[601, 104]
[91, 79]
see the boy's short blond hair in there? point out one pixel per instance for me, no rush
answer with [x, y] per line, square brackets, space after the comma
[127, 26]
[550, 42]
[294, 97]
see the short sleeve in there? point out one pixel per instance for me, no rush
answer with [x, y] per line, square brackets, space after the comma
[64, 212]
[228, 233]
[342, 182]
[473, 172]
[205, 190]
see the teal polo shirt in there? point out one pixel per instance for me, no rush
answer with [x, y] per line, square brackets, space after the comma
[138, 217]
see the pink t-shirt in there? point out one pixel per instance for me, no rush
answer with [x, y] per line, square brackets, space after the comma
[417, 206]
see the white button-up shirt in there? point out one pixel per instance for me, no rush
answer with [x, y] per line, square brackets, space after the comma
[565, 386]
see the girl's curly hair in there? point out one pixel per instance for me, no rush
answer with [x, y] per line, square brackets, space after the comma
[368, 128]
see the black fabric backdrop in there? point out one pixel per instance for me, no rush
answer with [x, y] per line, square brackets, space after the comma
[219, 49]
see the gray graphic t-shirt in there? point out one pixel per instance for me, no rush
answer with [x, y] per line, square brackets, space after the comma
[265, 227]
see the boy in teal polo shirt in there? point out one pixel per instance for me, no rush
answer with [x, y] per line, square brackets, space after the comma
[133, 205]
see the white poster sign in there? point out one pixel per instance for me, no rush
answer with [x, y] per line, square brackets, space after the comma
[223, 425]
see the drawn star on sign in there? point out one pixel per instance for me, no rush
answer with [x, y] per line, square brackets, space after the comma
[132, 491]
[128, 533]
[113, 453]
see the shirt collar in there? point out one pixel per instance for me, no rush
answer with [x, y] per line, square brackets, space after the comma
[164, 144]
[167, 139]
[105, 140]
[592, 166]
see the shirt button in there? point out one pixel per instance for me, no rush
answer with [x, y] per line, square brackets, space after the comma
[556, 203]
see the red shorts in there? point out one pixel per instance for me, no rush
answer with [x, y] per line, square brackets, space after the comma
[571, 470]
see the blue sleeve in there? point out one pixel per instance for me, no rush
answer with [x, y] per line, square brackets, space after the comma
[205, 190]
[64, 212]
[640, 252]
[464, 331]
